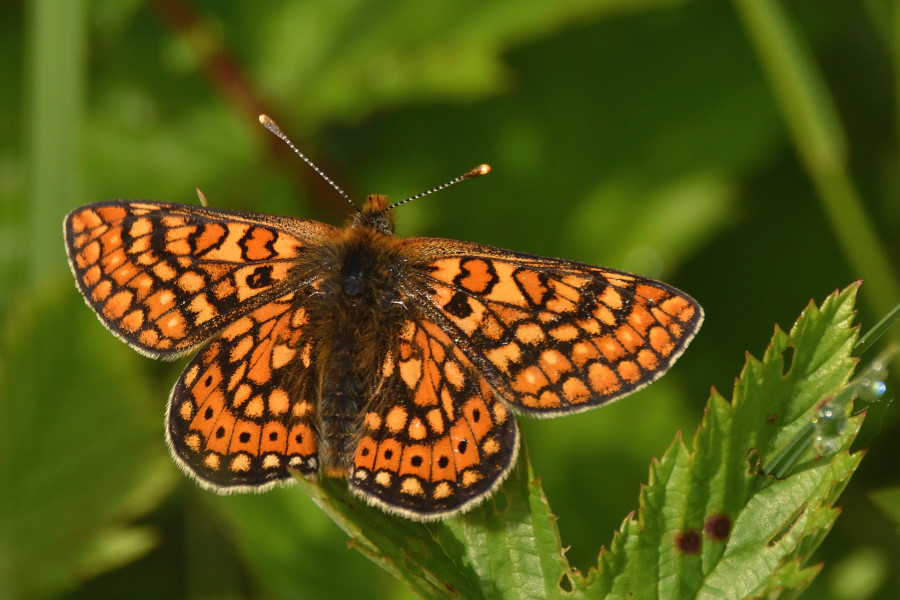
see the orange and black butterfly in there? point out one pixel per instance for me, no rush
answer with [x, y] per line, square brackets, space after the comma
[396, 364]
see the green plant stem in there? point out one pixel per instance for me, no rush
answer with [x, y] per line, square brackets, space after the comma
[814, 127]
[54, 97]
[895, 54]
[867, 341]
[881, 18]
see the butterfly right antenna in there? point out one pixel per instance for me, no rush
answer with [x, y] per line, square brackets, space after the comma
[470, 174]
[272, 126]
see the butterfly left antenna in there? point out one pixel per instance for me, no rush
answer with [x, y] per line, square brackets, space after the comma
[272, 126]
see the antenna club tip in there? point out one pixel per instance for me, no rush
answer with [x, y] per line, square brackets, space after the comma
[477, 171]
[267, 122]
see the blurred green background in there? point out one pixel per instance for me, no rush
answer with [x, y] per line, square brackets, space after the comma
[744, 151]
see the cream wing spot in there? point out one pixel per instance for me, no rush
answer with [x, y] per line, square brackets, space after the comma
[282, 354]
[411, 372]
[396, 419]
[279, 402]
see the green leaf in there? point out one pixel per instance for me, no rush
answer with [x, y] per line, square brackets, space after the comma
[710, 525]
[508, 545]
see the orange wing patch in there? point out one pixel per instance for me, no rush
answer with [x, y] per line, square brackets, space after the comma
[440, 440]
[553, 336]
[239, 416]
[164, 277]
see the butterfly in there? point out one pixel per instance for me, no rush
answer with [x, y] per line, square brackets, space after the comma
[396, 364]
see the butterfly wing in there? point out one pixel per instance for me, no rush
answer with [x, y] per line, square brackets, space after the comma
[436, 438]
[552, 336]
[165, 277]
[242, 412]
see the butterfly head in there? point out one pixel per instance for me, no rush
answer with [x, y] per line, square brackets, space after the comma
[376, 214]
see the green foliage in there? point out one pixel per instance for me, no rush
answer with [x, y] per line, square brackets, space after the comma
[888, 500]
[75, 474]
[509, 546]
[744, 151]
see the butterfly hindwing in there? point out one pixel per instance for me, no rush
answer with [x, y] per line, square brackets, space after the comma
[436, 438]
[552, 336]
[166, 277]
[242, 413]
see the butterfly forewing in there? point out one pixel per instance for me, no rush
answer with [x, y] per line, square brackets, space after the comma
[165, 277]
[552, 336]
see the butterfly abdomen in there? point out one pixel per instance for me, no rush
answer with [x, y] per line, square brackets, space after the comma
[360, 309]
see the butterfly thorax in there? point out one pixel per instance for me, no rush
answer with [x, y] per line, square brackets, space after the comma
[358, 307]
